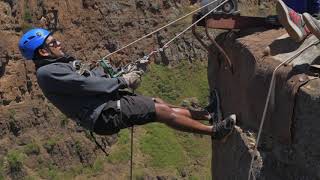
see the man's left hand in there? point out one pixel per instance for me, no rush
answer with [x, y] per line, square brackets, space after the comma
[133, 79]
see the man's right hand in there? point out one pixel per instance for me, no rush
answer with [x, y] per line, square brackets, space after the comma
[133, 79]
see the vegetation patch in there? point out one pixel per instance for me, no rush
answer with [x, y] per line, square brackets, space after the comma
[49, 145]
[196, 146]
[175, 84]
[27, 17]
[12, 114]
[30, 178]
[53, 172]
[31, 149]
[95, 169]
[121, 152]
[15, 160]
[78, 147]
[161, 144]
[50, 172]
[2, 174]
[64, 121]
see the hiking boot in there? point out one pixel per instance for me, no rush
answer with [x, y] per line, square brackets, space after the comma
[313, 24]
[221, 130]
[292, 22]
[214, 108]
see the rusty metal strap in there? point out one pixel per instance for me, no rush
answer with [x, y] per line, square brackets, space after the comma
[213, 41]
[221, 50]
[229, 21]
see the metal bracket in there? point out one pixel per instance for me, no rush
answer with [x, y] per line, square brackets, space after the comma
[230, 21]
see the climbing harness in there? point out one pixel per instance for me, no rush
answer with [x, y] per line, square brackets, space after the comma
[270, 92]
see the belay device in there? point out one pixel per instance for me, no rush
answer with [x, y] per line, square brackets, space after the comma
[138, 65]
[109, 69]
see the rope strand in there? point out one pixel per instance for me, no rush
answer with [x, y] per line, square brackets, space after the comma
[159, 29]
[195, 23]
[161, 49]
[177, 36]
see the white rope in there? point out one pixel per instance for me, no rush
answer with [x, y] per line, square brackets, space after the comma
[272, 84]
[204, 16]
[177, 36]
[161, 49]
[145, 36]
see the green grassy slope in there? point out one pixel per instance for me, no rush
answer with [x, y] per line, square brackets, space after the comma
[160, 150]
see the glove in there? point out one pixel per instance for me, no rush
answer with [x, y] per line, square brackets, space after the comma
[133, 79]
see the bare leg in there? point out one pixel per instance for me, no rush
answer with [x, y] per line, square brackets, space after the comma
[167, 115]
[197, 115]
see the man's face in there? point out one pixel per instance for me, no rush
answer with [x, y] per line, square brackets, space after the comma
[52, 48]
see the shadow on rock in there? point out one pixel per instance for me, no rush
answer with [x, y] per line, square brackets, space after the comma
[281, 46]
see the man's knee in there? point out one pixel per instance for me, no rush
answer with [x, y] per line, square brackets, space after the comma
[164, 112]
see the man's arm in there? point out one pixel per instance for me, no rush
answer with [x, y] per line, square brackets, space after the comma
[61, 80]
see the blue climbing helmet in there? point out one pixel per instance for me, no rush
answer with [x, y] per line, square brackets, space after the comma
[31, 41]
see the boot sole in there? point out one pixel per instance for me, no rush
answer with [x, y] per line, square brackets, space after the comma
[224, 140]
[292, 29]
[311, 25]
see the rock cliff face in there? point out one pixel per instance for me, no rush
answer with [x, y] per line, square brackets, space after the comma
[88, 30]
[289, 144]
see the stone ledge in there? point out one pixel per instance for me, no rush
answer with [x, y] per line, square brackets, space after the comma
[290, 141]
